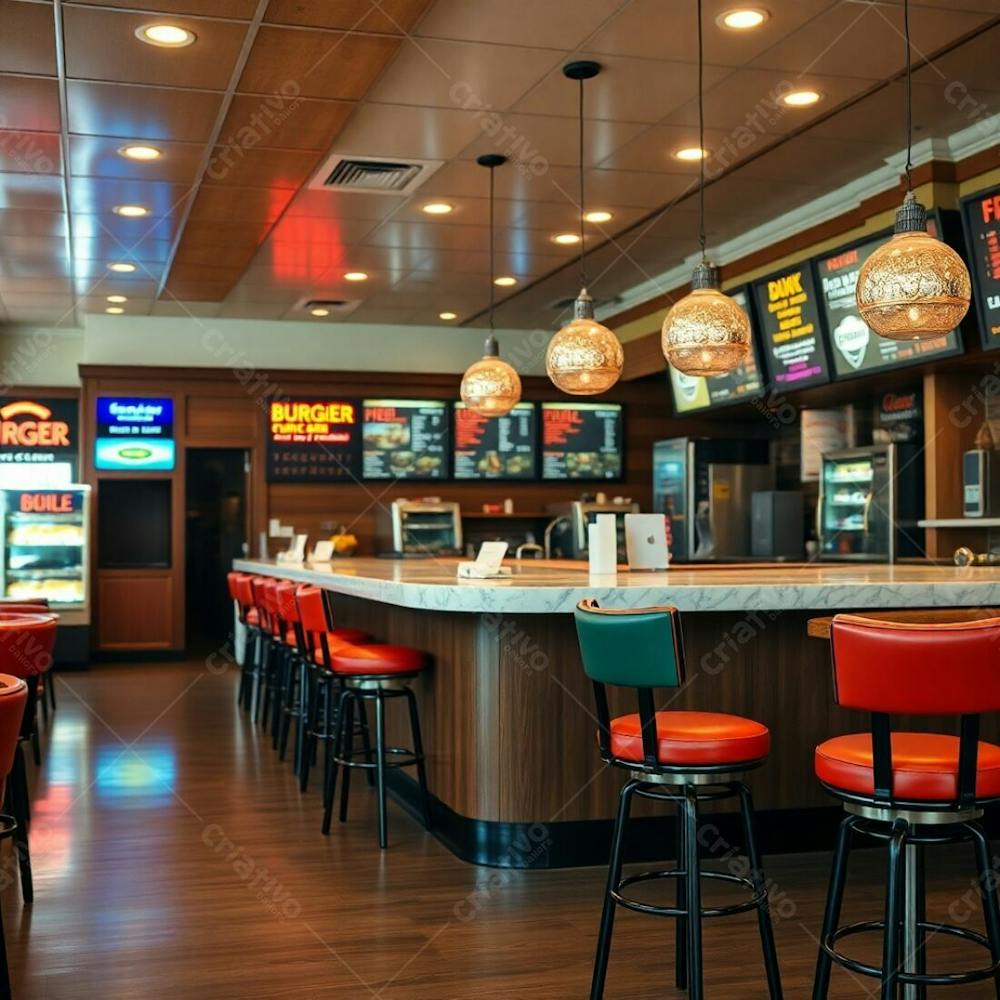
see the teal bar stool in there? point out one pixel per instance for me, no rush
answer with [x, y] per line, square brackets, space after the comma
[681, 758]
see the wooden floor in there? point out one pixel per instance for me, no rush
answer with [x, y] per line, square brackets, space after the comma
[175, 857]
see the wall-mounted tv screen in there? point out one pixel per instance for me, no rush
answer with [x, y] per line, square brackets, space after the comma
[496, 447]
[406, 438]
[582, 441]
[981, 217]
[134, 434]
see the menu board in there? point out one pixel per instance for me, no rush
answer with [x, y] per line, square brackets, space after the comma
[135, 434]
[855, 348]
[794, 355]
[405, 439]
[495, 447]
[313, 440]
[582, 440]
[744, 382]
[981, 214]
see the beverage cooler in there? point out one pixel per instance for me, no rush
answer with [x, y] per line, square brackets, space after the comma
[867, 509]
[45, 552]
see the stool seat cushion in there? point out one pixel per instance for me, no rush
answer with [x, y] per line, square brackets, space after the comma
[338, 639]
[376, 660]
[698, 739]
[924, 766]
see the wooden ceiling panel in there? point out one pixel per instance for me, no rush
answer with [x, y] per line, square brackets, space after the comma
[101, 45]
[418, 133]
[98, 156]
[29, 103]
[326, 64]
[32, 27]
[287, 122]
[278, 169]
[229, 256]
[391, 17]
[241, 9]
[222, 232]
[30, 152]
[247, 205]
[195, 291]
[320, 232]
[317, 204]
[150, 113]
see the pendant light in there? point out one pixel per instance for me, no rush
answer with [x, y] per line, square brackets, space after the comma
[706, 333]
[914, 287]
[584, 358]
[490, 386]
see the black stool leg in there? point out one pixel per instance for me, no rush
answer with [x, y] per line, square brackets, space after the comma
[915, 942]
[383, 831]
[834, 899]
[692, 867]
[284, 716]
[892, 951]
[17, 792]
[366, 741]
[5, 991]
[330, 785]
[988, 893]
[418, 750]
[681, 928]
[281, 697]
[347, 748]
[614, 877]
[760, 886]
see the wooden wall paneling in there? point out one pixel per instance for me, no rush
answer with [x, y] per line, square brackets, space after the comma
[137, 610]
[219, 420]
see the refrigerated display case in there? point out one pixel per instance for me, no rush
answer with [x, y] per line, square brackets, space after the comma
[45, 533]
[856, 516]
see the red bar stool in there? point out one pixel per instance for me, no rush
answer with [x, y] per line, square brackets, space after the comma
[13, 700]
[250, 618]
[910, 790]
[316, 721]
[46, 683]
[373, 673]
[682, 758]
[26, 642]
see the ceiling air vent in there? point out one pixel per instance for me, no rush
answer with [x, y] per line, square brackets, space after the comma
[331, 308]
[371, 175]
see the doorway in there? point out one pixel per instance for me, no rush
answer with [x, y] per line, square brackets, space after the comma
[215, 534]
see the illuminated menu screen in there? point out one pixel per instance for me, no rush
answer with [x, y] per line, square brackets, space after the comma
[854, 347]
[313, 440]
[982, 226]
[495, 447]
[742, 383]
[582, 440]
[405, 439]
[789, 322]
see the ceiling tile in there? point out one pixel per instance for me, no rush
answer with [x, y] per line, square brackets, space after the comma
[171, 306]
[421, 133]
[328, 232]
[391, 17]
[971, 66]
[24, 222]
[243, 9]
[29, 103]
[39, 192]
[326, 64]
[30, 152]
[97, 156]
[125, 232]
[36, 285]
[226, 204]
[289, 121]
[153, 113]
[270, 168]
[33, 27]
[343, 204]
[99, 195]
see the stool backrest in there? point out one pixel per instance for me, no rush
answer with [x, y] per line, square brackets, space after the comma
[243, 587]
[893, 668]
[26, 642]
[13, 700]
[314, 621]
[638, 648]
[288, 609]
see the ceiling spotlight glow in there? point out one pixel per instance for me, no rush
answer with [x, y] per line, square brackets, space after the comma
[138, 152]
[131, 211]
[598, 216]
[320, 311]
[447, 316]
[167, 36]
[114, 310]
[121, 267]
[356, 276]
[505, 281]
[801, 98]
[566, 239]
[438, 208]
[117, 298]
[690, 154]
[742, 18]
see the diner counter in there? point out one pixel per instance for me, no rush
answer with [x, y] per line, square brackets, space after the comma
[555, 587]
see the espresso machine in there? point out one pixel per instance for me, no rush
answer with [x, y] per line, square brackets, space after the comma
[566, 536]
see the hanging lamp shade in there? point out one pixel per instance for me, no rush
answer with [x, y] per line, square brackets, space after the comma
[490, 386]
[914, 287]
[584, 358]
[706, 333]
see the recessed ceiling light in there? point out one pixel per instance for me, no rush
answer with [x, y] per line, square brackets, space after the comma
[801, 98]
[121, 267]
[168, 36]
[117, 298]
[131, 211]
[690, 154]
[140, 152]
[356, 276]
[114, 310]
[438, 208]
[742, 18]
[505, 281]
[320, 311]
[566, 239]
[447, 316]
[598, 216]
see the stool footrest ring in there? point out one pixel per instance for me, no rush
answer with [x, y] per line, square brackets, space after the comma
[755, 902]
[407, 758]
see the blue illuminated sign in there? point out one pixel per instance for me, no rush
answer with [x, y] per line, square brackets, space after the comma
[135, 434]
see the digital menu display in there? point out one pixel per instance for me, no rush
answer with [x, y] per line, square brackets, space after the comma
[134, 434]
[794, 355]
[743, 383]
[981, 215]
[405, 439]
[582, 440]
[855, 348]
[313, 440]
[495, 447]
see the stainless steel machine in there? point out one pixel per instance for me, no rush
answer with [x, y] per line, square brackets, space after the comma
[419, 527]
[566, 535]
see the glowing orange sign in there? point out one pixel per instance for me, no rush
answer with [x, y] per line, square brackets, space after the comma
[41, 432]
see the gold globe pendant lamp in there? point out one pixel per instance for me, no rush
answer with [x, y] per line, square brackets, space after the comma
[584, 358]
[914, 287]
[706, 333]
[490, 386]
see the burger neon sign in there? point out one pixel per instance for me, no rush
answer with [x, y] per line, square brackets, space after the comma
[24, 424]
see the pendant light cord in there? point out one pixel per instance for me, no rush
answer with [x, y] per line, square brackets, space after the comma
[701, 137]
[583, 251]
[492, 248]
[909, 98]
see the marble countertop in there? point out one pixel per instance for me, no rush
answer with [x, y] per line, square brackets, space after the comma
[555, 587]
